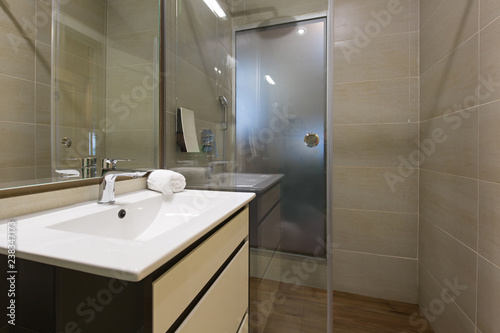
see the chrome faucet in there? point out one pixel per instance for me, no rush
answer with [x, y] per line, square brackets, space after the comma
[107, 185]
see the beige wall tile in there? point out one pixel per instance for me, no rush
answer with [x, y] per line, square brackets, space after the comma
[84, 45]
[369, 189]
[450, 202]
[489, 225]
[197, 43]
[42, 104]
[204, 102]
[489, 137]
[414, 54]
[449, 143]
[43, 145]
[376, 276]
[133, 49]
[77, 74]
[44, 22]
[15, 15]
[373, 18]
[91, 13]
[490, 10]
[389, 234]
[490, 67]
[385, 57]
[13, 177]
[427, 8]
[133, 16]
[18, 56]
[460, 19]
[43, 63]
[18, 100]
[373, 145]
[17, 145]
[443, 315]
[137, 145]
[132, 118]
[446, 259]
[488, 294]
[451, 84]
[386, 101]
[136, 82]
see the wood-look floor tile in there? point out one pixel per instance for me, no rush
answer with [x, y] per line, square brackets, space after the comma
[299, 309]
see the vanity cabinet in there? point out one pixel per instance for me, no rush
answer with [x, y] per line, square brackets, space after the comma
[202, 289]
[226, 299]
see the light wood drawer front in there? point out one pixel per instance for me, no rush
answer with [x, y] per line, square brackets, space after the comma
[268, 200]
[244, 326]
[224, 305]
[175, 289]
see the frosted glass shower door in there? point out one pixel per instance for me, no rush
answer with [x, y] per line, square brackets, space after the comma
[280, 123]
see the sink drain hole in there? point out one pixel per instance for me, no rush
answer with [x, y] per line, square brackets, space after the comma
[122, 213]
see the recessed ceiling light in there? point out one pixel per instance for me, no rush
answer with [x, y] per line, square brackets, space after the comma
[301, 31]
[215, 7]
[269, 80]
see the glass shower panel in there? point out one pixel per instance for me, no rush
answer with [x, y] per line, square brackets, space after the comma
[281, 101]
[280, 134]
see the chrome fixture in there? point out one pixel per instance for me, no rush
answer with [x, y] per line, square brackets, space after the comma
[89, 167]
[66, 142]
[208, 142]
[107, 185]
[223, 102]
[311, 140]
[109, 164]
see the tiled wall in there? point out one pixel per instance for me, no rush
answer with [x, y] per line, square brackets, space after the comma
[131, 86]
[375, 191]
[459, 236]
[200, 51]
[81, 76]
[24, 90]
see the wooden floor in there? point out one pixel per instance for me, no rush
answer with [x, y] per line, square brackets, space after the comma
[286, 308]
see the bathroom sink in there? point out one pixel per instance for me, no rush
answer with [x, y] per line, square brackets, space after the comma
[131, 238]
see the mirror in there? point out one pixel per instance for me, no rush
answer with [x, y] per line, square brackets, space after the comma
[79, 82]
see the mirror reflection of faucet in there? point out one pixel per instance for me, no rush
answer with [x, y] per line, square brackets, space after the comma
[109, 164]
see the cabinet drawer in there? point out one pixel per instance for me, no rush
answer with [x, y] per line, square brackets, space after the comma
[244, 325]
[267, 201]
[224, 305]
[174, 290]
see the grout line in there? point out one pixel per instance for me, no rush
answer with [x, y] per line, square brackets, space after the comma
[375, 211]
[375, 254]
[433, 13]
[374, 37]
[428, 220]
[449, 54]
[443, 289]
[376, 124]
[376, 80]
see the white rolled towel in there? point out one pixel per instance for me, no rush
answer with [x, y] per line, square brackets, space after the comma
[166, 181]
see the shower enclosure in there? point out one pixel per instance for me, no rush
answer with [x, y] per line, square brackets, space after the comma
[260, 76]
[280, 129]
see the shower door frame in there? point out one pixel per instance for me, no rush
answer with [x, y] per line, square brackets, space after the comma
[328, 16]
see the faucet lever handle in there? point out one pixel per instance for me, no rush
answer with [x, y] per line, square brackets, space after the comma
[110, 163]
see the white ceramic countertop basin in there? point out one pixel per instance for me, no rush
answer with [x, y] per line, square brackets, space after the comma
[93, 238]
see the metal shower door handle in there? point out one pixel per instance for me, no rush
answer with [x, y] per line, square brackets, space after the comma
[311, 140]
